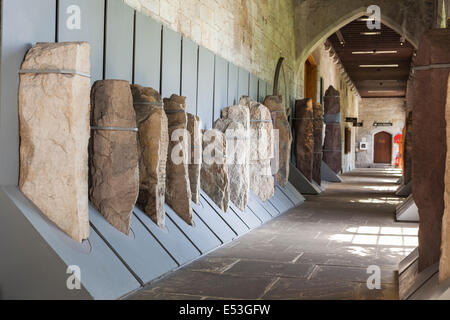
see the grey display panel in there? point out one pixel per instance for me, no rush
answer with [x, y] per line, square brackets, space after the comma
[262, 91]
[147, 52]
[248, 217]
[119, 41]
[171, 63]
[90, 28]
[220, 86]
[205, 105]
[189, 69]
[244, 79]
[233, 82]
[253, 89]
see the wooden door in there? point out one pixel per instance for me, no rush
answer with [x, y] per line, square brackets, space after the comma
[311, 79]
[383, 148]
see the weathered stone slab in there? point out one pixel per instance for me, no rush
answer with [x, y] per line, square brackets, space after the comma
[214, 172]
[429, 142]
[304, 131]
[54, 134]
[407, 150]
[178, 188]
[195, 157]
[262, 182]
[332, 149]
[114, 160]
[281, 124]
[153, 146]
[318, 139]
[444, 265]
[236, 127]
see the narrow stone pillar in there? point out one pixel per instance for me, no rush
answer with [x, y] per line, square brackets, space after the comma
[195, 156]
[304, 132]
[429, 140]
[332, 149]
[407, 150]
[444, 264]
[281, 123]
[235, 123]
[214, 172]
[114, 168]
[178, 188]
[153, 145]
[54, 113]
[262, 182]
[318, 140]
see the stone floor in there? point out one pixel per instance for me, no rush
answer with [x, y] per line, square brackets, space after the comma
[320, 250]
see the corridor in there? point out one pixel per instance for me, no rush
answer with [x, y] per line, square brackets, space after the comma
[320, 250]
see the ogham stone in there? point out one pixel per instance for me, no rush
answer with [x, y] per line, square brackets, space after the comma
[195, 155]
[214, 171]
[332, 148]
[304, 136]
[114, 160]
[235, 123]
[54, 113]
[430, 91]
[318, 139]
[444, 264]
[153, 145]
[262, 182]
[282, 126]
[178, 188]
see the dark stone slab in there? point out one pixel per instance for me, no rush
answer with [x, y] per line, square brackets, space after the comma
[318, 137]
[332, 149]
[304, 136]
[270, 269]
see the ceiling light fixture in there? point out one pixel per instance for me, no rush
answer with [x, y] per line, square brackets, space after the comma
[374, 33]
[381, 91]
[378, 65]
[366, 19]
[340, 37]
[375, 52]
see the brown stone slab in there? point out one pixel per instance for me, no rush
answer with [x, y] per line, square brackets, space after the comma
[195, 157]
[332, 149]
[54, 113]
[214, 174]
[318, 140]
[281, 123]
[178, 188]
[304, 131]
[429, 142]
[407, 164]
[114, 167]
[153, 146]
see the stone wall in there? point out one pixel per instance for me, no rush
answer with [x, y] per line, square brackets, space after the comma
[252, 34]
[379, 110]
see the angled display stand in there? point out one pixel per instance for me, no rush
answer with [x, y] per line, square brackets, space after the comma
[329, 175]
[404, 190]
[303, 185]
[407, 211]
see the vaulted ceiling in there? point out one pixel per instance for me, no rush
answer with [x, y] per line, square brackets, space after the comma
[377, 61]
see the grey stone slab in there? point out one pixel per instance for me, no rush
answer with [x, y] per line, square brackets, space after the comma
[249, 218]
[205, 105]
[171, 63]
[253, 87]
[189, 69]
[199, 234]
[214, 221]
[233, 81]
[230, 217]
[351, 274]
[220, 86]
[214, 265]
[303, 185]
[36, 22]
[329, 175]
[293, 194]
[281, 201]
[140, 250]
[119, 41]
[91, 29]
[270, 269]
[243, 84]
[171, 238]
[262, 90]
[48, 252]
[147, 56]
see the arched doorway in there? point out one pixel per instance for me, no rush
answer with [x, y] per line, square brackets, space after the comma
[382, 142]
[311, 79]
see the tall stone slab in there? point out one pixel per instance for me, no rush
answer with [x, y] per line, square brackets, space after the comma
[214, 172]
[444, 264]
[262, 182]
[332, 149]
[153, 146]
[281, 125]
[407, 150]
[178, 188]
[235, 123]
[195, 156]
[304, 133]
[429, 140]
[114, 159]
[54, 113]
[318, 139]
